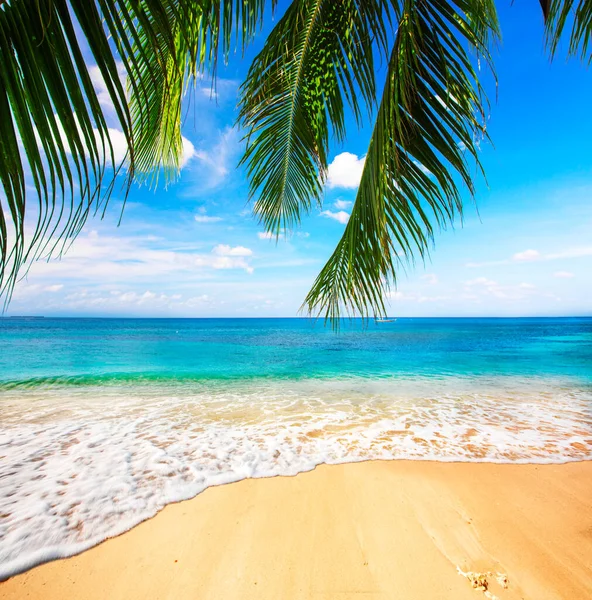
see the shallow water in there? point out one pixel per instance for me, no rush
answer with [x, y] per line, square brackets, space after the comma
[106, 421]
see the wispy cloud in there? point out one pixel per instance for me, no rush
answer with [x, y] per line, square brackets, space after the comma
[268, 235]
[430, 278]
[400, 296]
[486, 263]
[481, 282]
[342, 204]
[202, 217]
[531, 255]
[207, 219]
[214, 163]
[570, 253]
[527, 255]
[563, 274]
[483, 286]
[208, 92]
[226, 250]
[135, 259]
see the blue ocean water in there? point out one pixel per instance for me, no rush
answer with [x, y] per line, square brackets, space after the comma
[85, 349]
[105, 421]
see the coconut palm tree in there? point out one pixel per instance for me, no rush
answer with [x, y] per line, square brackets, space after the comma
[57, 163]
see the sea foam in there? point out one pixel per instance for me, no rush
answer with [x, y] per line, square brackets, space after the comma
[80, 465]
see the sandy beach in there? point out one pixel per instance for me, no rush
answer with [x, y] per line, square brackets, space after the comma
[374, 530]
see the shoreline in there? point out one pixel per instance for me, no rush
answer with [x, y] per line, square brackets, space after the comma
[372, 529]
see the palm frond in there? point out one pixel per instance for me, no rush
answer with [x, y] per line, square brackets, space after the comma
[53, 129]
[430, 119]
[318, 58]
[202, 31]
[565, 14]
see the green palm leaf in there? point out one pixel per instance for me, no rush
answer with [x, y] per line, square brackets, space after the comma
[563, 14]
[318, 58]
[201, 32]
[53, 130]
[317, 63]
[430, 117]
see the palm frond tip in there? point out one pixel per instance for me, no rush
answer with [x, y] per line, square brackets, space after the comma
[431, 114]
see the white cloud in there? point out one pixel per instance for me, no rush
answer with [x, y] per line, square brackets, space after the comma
[487, 263]
[342, 204]
[399, 296]
[268, 235]
[188, 152]
[207, 219]
[571, 253]
[120, 148]
[217, 159]
[147, 301]
[208, 92]
[225, 250]
[128, 297]
[138, 259]
[531, 255]
[227, 262]
[117, 137]
[563, 274]
[100, 87]
[481, 282]
[430, 278]
[340, 216]
[527, 255]
[119, 144]
[345, 171]
[118, 152]
[29, 290]
[484, 287]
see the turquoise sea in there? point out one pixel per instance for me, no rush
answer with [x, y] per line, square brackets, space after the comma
[105, 421]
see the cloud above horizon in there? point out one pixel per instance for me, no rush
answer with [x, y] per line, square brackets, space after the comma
[339, 216]
[345, 171]
[342, 204]
[530, 255]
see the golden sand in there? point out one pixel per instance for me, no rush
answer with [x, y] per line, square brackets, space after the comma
[375, 530]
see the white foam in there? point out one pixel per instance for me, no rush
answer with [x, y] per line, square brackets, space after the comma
[80, 465]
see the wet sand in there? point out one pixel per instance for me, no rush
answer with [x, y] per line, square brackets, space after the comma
[373, 530]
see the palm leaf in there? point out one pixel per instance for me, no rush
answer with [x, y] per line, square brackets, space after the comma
[318, 58]
[53, 131]
[201, 32]
[430, 118]
[563, 14]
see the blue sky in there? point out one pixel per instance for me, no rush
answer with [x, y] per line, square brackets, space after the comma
[195, 250]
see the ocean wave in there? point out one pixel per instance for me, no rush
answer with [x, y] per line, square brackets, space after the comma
[83, 462]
